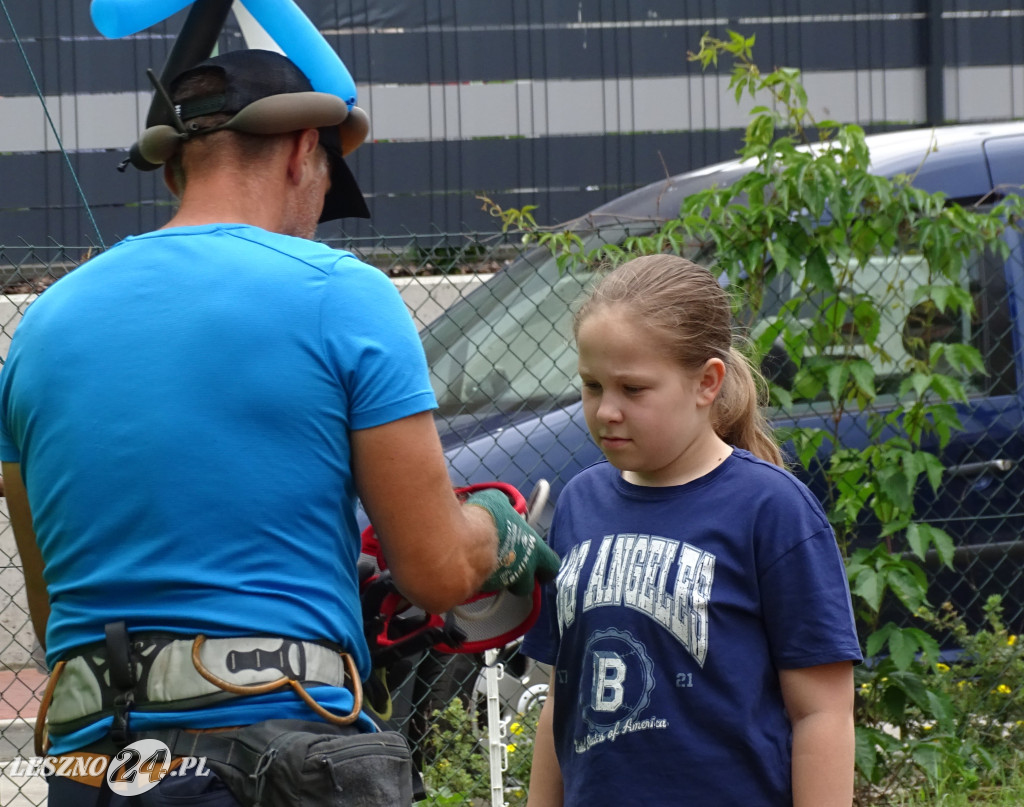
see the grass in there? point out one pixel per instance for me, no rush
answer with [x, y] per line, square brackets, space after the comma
[1008, 794]
[983, 797]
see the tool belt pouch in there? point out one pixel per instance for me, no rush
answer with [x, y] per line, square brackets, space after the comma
[315, 765]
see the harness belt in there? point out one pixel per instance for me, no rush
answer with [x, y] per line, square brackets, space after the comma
[157, 672]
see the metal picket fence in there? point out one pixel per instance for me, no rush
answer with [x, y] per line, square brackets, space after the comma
[470, 718]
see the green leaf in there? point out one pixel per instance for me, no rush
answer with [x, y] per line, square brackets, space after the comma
[894, 526]
[836, 375]
[929, 646]
[817, 270]
[866, 755]
[912, 685]
[897, 486]
[781, 397]
[965, 358]
[902, 648]
[933, 469]
[938, 538]
[941, 708]
[894, 701]
[808, 443]
[864, 377]
[760, 131]
[877, 640]
[780, 255]
[908, 587]
[948, 388]
[917, 540]
[929, 757]
[945, 420]
[870, 588]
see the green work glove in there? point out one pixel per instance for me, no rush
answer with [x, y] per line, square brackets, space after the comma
[522, 554]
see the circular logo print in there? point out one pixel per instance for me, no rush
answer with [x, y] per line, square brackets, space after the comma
[617, 680]
[138, 767]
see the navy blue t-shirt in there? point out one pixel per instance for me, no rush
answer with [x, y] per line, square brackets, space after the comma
[674, 609]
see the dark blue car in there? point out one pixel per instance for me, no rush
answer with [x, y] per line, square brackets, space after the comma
[504, 366]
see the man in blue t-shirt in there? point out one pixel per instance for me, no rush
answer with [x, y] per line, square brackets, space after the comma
[187, 420]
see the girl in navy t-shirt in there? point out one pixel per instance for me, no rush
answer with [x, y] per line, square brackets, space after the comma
[701, 632]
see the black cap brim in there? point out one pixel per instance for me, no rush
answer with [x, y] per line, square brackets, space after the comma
[344, 199]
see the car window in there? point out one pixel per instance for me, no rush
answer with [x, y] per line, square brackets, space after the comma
[908, 323]
[507, 347]
[520, 353]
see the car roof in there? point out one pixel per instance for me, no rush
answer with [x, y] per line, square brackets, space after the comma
[950, 159]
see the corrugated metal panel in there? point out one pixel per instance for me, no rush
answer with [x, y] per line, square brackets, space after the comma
[561, 104]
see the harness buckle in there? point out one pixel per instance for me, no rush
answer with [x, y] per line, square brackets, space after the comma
[122, 704]
[122, 676]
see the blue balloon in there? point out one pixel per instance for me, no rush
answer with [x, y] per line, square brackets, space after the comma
[283, 21]
[117, 18]
[304, 45]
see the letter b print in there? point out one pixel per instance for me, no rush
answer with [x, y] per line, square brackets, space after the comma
[609, 680]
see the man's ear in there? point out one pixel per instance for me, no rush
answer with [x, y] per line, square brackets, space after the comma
[171, 179]
[303, 148]
[709, 381]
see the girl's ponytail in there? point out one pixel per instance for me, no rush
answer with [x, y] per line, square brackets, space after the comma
[736, 413]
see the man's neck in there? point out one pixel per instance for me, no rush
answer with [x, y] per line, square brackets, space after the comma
[190, 215]
[225, 197]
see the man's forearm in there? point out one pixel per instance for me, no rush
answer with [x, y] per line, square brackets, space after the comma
[28, 549]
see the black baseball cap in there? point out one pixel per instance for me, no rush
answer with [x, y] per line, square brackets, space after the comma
[265, 93]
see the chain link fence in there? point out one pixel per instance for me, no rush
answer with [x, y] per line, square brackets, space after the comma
[504, 348]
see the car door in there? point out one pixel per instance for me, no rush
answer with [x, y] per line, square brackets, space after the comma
[980, 502]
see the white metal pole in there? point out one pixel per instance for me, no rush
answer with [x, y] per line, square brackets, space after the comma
[495, 727]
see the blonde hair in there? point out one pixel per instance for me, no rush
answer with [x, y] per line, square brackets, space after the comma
[683, 304]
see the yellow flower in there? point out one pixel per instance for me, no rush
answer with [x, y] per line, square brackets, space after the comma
[1003, 689]
[511, 748]
[961, 684]
[515, 728]
[1011, 640]
[942, 667]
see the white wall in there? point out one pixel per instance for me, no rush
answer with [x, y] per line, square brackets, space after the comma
[425, 297]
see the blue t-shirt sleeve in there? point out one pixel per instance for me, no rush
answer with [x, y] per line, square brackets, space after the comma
[541, 641]
[805, 594]
[9, 452]
[370, 335]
